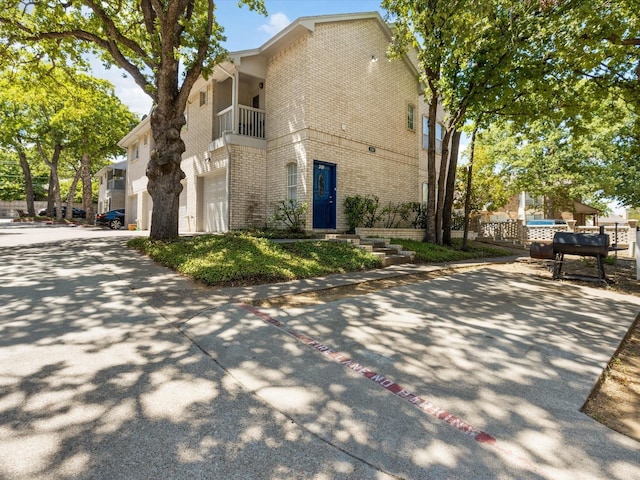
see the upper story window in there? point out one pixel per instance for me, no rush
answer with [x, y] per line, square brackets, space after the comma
[292, 181]
[411, 123]
[425, 135]
[135, 151]
[439, 130]
[425, 132]
[203, 97]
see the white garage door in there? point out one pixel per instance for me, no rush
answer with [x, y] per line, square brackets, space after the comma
[214, 207]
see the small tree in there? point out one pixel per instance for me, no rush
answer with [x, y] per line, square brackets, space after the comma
[290, 213]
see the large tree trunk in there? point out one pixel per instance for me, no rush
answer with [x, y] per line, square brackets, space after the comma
[57, 196]
[467, 196]
[87, 193]
[71, 194]
[431, 171]
[28, 183]
[442, 186]
[447, 209]
[50, 195]
[54, 181]
[163, 171]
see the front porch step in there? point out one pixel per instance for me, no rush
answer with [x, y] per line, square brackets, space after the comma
[389, 254]
[396, 260]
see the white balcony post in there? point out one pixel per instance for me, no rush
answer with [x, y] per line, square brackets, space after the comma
[234, 102]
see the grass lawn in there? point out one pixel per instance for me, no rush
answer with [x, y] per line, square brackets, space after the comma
[431, 253]
[243, 259]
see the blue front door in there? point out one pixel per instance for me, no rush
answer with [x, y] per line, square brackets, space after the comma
[324, 195]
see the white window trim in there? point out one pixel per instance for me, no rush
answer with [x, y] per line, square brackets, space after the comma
[425, 135]
[411, 119]
[292, 181]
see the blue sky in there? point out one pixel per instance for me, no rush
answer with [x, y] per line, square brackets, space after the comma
[244, 30]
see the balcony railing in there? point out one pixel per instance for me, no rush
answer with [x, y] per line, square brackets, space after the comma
[250, 123]
[116, 184]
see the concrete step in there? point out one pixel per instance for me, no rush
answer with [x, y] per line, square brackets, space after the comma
[395, 260]
[387, 250]
[388, 254]
[343, 236]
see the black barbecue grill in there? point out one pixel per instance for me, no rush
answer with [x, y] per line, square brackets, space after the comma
[583, 244]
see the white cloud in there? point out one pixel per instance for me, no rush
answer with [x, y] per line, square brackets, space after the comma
[277, 22]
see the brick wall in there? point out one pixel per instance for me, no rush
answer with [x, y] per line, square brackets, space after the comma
[328, 101]
[248, 187]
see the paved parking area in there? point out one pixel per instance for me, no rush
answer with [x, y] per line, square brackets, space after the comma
[474, 375]
[420, 380]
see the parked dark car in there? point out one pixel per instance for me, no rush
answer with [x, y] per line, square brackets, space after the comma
[75, 213]
[113, 218]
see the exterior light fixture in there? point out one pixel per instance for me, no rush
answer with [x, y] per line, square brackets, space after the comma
[374, 58]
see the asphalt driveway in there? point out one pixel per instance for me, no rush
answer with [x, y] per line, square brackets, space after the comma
[475, 375]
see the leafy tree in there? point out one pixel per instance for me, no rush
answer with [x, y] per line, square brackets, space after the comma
[95, 120]
[71, 124]
[11, 186]
[491, 182]
[546, 66]
[557, 160]
[472, 62]
[165, 46]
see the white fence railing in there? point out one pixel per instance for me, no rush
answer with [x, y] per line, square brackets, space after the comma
[250, 122]
[620, 235]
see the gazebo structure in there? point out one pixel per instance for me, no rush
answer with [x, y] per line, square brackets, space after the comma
[581, 211]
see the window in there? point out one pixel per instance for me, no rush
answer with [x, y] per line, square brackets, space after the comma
[292, 181]
[135, 151]
[425, 135]
[203, 97]
[411, 117]
[425, 132]
[425, 192]
[146, 137]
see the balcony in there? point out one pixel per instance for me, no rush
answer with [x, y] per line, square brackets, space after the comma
[116, 184]
[250, 122]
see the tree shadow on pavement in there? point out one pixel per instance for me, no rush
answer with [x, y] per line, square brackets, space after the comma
[96, 384]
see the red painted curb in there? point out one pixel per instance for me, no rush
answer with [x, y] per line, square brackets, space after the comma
[419, 402]
[398, 390]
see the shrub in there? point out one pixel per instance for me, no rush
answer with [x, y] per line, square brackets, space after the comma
[354, 208]
[390, 215]
[418, 214]
[371, 211]
[361, 211]
[290, 213]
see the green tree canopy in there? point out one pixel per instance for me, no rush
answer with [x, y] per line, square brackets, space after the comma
[165, 45]
[55, 119]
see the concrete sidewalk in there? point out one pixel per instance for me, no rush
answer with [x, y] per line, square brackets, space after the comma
[475, 375]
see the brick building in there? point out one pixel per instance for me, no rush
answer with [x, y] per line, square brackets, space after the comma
[317, 113]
